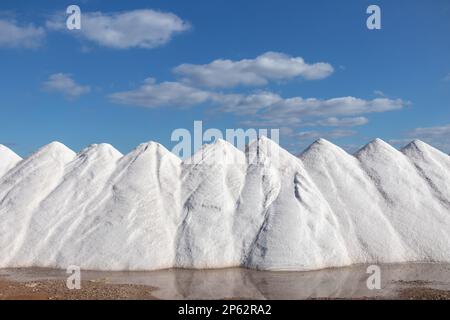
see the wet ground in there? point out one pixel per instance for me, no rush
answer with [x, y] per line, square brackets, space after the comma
[398, 281]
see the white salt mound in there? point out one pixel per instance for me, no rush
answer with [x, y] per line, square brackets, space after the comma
[264, 208]
[8, 159]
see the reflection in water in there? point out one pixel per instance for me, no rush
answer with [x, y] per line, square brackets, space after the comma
[348, 282]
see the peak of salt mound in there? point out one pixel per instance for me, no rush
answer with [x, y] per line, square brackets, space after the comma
[152, 147]
[376, 146]
[55, 145]
[54, 152]
[55, 155]
[418, 146]
[101, 150]
[265, 145]
[54, 149]
[264, 141]
[323, 146]
[322, 141]
[265, 151]
[433, 165]
[323, 153]
[424, 155]
[378, 143]
[218, 144]
[8, 154]
[218, 152]
[148, 145]
[8, 159]
[419, 143]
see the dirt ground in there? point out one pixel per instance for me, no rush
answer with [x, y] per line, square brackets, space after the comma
[413, 281]
[98, 290]
[418, 293]
[57, 290]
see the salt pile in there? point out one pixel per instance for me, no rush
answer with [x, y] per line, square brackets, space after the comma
[264, 209]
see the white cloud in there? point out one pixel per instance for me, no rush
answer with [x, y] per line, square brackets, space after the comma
[143, 28]
[342, 122]
[13, 35]
[259, 108]
[251, 72]
[311, 135]
[311, 111]
[64, 84]
[275, 111]
[166, 94]
[271, 122]
[341, 106]
[175, 94]
[268, 120]
[245, 104]
[437, 136]
[379, 93]
[432, 131]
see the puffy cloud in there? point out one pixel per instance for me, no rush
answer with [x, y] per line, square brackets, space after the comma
[175, 94]
[13, 35]
[309, 135]
[286, 120]
[343, 122]
[438, 131]
[152, 94]
[262, 108]
[437, 136]
[342, 106]
[166, 94]
[143, 28]
[243, 104]
[279, 111]
[298, 112]
[269, 122]
[251, 72]
[64, 84]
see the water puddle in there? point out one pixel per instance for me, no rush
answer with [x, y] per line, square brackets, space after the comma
[232, 283]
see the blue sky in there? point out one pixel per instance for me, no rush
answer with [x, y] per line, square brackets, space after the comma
[138, 70]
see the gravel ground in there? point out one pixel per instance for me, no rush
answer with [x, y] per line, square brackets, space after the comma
[418, 293]
[415, 281]
[98, 290]
[57, 290]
